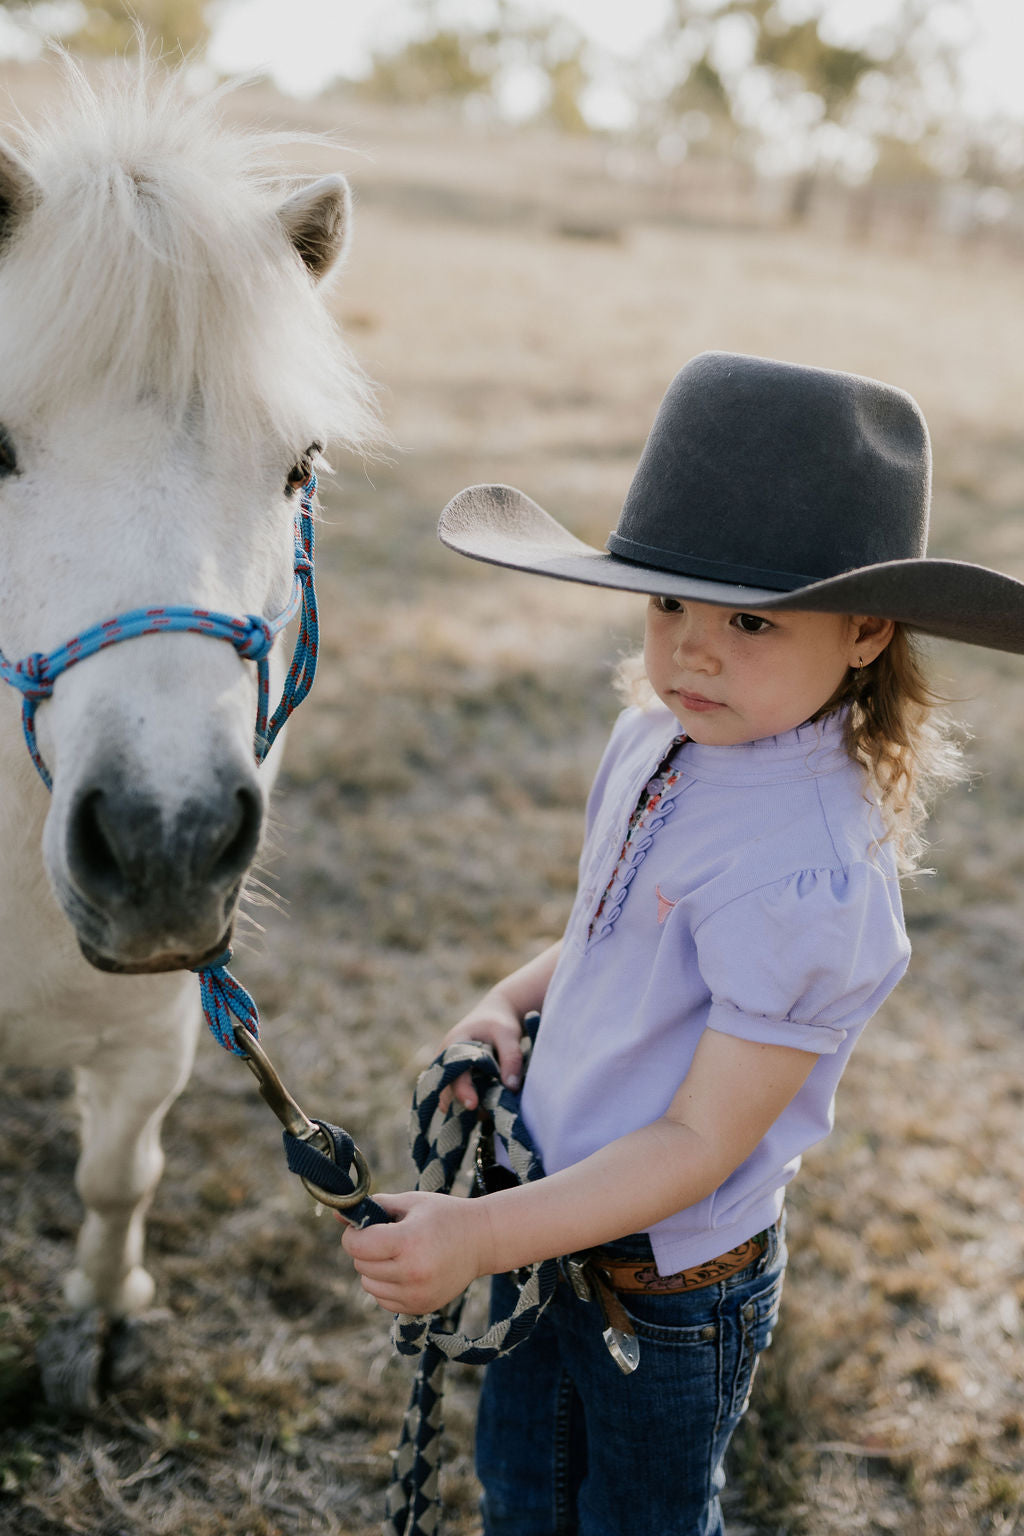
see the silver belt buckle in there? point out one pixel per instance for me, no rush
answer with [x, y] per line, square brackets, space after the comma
[623, 1347]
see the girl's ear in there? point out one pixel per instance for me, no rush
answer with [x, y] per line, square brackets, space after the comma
[869, 638]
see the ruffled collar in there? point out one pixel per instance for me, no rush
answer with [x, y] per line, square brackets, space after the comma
[808, 751]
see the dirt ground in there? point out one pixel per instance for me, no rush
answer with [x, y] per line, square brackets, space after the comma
[524, 310]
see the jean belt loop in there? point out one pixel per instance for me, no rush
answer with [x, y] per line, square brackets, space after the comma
[771, 1253]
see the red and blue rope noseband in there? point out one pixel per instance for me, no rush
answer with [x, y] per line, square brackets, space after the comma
[253, 638]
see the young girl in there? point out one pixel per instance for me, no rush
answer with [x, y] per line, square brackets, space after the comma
[737, 923]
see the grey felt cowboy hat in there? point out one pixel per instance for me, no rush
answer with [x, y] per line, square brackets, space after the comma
[766, 485]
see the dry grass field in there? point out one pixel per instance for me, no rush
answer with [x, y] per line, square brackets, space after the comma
[524, 314]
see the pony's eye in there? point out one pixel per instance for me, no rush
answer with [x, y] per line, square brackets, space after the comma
[301, 471]
[8, 457]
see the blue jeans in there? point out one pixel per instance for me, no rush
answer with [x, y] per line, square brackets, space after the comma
[568, 1446]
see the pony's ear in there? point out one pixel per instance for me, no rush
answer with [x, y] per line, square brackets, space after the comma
[316, 220]
[19, 190]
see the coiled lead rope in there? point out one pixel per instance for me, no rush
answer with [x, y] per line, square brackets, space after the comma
[440, 1140]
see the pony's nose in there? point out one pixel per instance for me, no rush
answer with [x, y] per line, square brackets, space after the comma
[122, 853]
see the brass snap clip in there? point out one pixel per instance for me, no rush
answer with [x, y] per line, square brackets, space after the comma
[297, 1122]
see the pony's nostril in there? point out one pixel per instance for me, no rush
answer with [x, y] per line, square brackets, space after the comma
[96, 861]
[236, 847]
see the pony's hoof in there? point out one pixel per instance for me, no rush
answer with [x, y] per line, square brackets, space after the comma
[86, 1355]
[132, 1345]
[70, 1357]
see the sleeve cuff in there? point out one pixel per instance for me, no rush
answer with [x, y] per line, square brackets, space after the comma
[822, 1039]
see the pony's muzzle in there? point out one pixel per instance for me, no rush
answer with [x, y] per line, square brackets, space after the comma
[150, 891]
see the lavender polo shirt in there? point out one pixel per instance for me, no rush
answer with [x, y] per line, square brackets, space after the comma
[757, 901]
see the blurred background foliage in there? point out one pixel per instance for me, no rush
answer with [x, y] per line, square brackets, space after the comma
[108, 26]
[771, 85]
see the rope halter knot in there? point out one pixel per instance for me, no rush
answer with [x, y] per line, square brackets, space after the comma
[33, 677]
[257, 641]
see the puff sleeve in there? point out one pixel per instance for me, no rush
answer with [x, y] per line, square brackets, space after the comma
[804, 960]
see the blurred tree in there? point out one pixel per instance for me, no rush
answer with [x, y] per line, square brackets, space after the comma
[168, 25]
[700, 104]
[567, 80]
[799, 59]
[458, 63]
[681, 97]
[445, 63]
[830, 72]
[109, 26]
[794, 96]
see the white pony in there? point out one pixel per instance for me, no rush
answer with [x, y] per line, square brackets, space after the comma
[166, 359]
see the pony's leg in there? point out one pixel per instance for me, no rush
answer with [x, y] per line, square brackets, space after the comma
[123, 1100]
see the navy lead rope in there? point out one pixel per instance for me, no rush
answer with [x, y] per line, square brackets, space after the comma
[253, 637]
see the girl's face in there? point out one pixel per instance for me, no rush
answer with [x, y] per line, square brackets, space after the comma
[731, 675]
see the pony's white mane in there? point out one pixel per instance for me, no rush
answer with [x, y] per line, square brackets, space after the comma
[154, 266]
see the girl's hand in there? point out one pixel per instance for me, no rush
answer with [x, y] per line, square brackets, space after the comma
[425, 1258]
[495, 1022]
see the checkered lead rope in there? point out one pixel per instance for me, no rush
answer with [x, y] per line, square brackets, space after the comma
[440, 1140]
[253, 637]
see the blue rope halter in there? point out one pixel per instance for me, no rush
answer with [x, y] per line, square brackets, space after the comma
[253, 637]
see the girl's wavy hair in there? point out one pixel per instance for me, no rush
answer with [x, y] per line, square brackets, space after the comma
[910, 752]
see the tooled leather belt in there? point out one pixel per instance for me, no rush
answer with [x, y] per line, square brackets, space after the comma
[632, 1276]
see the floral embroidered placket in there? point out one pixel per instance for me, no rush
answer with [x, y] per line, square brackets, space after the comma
[655, 804]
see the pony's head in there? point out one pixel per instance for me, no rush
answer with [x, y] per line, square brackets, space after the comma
[166, 359]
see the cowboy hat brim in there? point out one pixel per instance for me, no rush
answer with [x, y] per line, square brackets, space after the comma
[950, 599]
